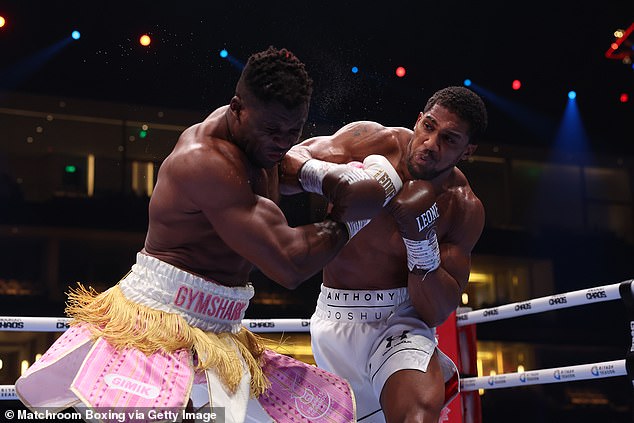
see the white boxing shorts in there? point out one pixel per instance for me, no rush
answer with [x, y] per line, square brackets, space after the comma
[366, 336]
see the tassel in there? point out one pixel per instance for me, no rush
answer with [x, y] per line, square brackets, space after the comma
[125, 324]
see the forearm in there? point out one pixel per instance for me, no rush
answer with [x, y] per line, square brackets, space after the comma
[312, 247]
[289, 170]
[434, 296]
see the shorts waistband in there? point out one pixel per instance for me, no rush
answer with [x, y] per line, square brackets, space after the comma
[358, 306]
[202, 303]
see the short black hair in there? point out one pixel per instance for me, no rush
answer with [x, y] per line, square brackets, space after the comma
[466, 104]
[277, 75]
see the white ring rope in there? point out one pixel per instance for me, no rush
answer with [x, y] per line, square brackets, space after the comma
[538, 305]
[507, 311]
[60, 324]
[7, 392]
[544, 376]
[505, 380]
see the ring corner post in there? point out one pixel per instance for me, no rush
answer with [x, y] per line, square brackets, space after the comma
[626, 289]
[459, 344]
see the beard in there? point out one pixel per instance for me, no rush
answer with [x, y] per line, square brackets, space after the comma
[424, 173]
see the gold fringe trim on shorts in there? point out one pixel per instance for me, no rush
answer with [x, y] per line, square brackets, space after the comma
[125, 324]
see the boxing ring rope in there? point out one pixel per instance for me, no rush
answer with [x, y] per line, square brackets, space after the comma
[623, 290]
[539, 305]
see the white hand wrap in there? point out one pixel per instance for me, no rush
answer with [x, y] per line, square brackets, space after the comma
[313, 171]
[355, 226]
[382, 170]
[311, 175]
[423, 256]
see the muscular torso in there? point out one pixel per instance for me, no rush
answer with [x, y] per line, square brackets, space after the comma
[179, 232]
[376, 257]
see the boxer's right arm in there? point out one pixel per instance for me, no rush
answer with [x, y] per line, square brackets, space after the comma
[356, 192]
[255, 228]
[352, 142]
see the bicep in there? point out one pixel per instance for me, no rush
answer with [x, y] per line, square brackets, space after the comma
[259, 233]
[255, 228]
[219, 186]
[456, 262]
[455, 253]
[353, 142]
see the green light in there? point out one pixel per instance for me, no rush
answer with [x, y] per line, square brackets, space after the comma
[142, 133]
[70, 169]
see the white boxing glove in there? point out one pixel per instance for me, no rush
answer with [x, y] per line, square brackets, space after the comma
[382, 170]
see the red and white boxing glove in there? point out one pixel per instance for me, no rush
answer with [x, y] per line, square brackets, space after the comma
[357, 193]
[416, 214]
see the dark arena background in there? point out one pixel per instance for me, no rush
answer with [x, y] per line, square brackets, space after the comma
[93, 96]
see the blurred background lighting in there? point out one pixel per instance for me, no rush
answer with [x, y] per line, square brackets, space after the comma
[145, 40]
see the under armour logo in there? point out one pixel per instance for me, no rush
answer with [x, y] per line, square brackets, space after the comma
[390, 338]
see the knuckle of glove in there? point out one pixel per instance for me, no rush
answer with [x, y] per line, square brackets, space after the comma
[415, 210]
[354, 199]
[357, 204]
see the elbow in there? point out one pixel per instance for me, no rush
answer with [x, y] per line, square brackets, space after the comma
[291, 283]
[432, 320]
[288, 278]
[436, 321]
[433, 316]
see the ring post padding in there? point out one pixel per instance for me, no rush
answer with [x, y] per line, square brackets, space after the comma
[627, 295]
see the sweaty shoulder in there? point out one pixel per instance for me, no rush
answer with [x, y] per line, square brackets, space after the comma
[464, 207]
[201, 164]
[369, 132]
[367, 137]
[459, 187]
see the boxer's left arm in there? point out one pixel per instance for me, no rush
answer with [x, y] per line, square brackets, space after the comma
[436, 283]
[436, 296]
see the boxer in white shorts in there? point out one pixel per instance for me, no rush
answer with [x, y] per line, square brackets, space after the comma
[418, 248]
[366, 336]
